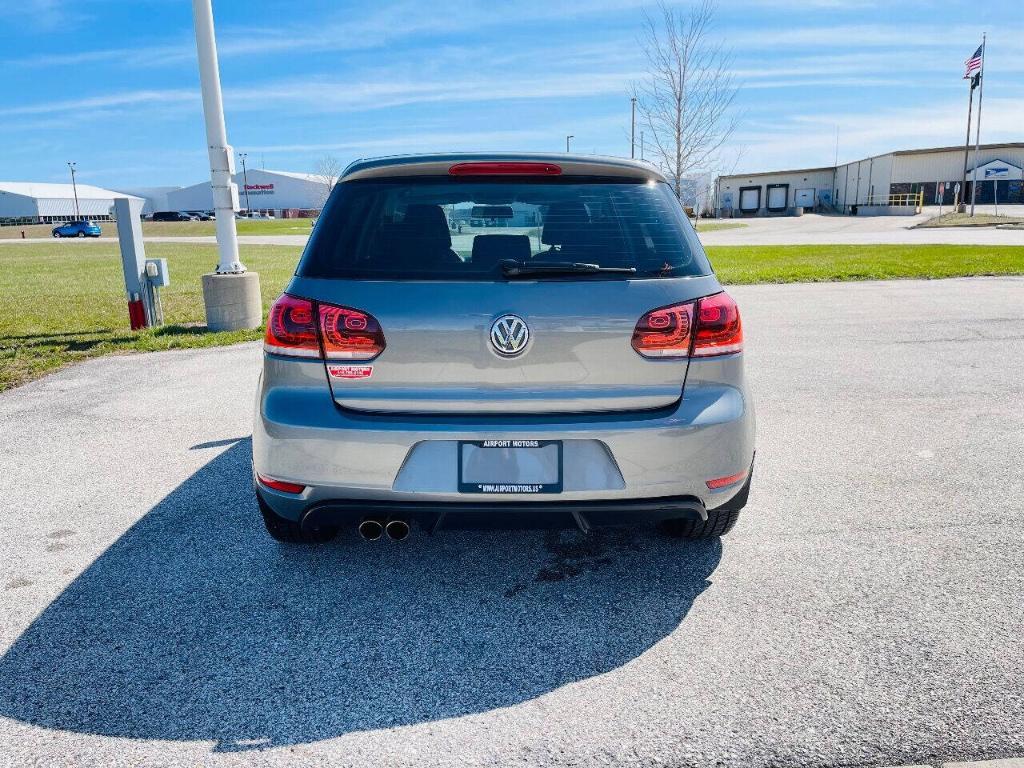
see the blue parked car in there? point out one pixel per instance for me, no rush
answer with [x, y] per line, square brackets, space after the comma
[78, 229]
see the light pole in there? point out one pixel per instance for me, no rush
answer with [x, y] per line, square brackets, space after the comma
[74, 189]
[245, 183]
[570, 136]
[231, 294]
[641, 145]
[632, 128]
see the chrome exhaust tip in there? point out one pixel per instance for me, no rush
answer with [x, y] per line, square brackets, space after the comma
[371, 529]
[397, 530]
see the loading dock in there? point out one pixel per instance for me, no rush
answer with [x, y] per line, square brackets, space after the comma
[750, 199]
[804, 198]
[778, 197]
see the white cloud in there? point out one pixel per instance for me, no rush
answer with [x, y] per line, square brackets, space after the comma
[803, 141]
[123, 99]
[145, 56]
[38, 15]
[323, 95]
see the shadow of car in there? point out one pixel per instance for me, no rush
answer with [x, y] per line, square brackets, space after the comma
[195, 626]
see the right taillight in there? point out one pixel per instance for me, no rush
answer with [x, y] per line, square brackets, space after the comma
[703, 328]
[303, 328]
[719, 330]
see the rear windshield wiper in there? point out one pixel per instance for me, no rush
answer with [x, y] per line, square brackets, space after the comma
[521, 269]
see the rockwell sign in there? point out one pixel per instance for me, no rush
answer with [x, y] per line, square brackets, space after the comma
[259, 189]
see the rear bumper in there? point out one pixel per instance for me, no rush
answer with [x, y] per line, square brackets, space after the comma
[563, 514]
[635, 464]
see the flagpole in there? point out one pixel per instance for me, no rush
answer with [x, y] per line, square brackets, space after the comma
[977, 131]
[960, 205]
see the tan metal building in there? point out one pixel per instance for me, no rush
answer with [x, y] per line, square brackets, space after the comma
[774, 192]
[878, 180]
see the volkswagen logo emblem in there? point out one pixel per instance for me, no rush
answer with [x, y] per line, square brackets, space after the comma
[509, 335]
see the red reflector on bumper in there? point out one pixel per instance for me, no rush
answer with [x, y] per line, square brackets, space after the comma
[280, 485]
[722, 482]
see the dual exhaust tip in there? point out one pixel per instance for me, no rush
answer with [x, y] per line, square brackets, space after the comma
[371, 529]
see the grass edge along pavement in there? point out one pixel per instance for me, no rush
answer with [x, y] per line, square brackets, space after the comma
[966, 220]
[60, 304]
[172, 228]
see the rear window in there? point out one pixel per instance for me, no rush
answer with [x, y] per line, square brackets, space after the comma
[442, 228]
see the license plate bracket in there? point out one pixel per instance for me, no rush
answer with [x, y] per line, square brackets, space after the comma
[521, 467]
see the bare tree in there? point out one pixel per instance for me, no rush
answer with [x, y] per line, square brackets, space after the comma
[687, 98]
[326, 173]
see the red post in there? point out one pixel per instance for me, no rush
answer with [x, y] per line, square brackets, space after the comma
[136, 314]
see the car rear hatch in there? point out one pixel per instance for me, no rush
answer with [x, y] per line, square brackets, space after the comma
[457, 272]
[439, 356]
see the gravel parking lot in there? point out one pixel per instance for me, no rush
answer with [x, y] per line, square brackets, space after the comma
[866, 611]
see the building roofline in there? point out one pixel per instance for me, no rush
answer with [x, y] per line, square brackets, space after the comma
[48, 190]
[1004, 145]
[895, 153]
[825, 168]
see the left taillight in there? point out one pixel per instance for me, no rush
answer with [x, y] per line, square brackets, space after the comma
[349, 334]
[291, 328]
[304, 328]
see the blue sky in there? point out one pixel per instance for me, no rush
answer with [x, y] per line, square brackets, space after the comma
[113, 84]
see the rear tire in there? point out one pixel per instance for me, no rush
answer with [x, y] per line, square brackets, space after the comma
[719, 523]
[57, 235]
[81, 234]
[290, 532]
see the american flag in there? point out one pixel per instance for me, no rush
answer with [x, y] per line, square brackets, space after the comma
[973, 64]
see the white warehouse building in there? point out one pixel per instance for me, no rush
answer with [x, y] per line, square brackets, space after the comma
[155, 197]
[880, 182]
[27, 202]
[284, 193]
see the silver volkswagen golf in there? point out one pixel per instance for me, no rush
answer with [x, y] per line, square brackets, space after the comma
[502, 339]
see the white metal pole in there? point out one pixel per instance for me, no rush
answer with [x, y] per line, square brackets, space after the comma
[225, 193]
[74, 188]
[245, 183]
[977, 131]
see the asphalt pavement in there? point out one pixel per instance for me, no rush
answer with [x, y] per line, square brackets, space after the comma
[866, 611]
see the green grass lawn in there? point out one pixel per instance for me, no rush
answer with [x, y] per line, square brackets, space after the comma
[64, 302]
[818, 263]
[176, 228]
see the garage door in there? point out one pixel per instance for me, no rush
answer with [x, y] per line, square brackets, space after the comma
[750, 199]
[777, 197]
[805, 198]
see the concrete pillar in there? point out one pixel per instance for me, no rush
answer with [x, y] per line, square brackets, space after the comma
[128, 212]
[233, 302]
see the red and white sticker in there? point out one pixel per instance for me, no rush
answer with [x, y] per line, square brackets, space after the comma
[350, 371]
